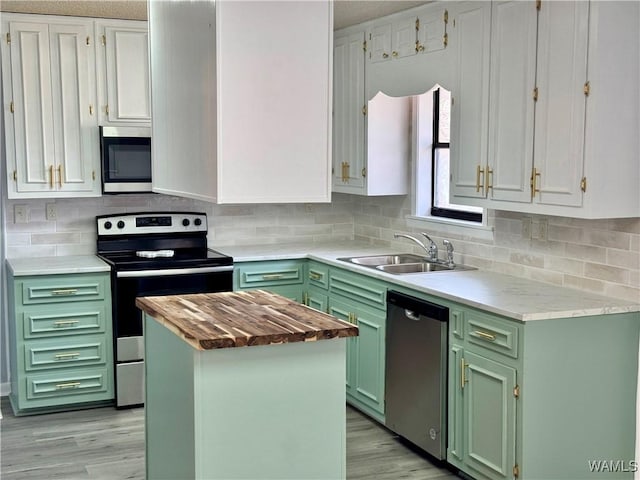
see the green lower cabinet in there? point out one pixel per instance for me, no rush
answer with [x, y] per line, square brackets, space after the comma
[365, 355]
[317, 299]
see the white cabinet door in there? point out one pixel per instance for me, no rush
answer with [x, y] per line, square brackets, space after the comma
[50, 129]
[348, 117]
[74, 116]
[560, 110]
[513, 64]
[380, 43]
[432, 30]
[470, 35]
[123, 68]
[29, 75]
[403, 40]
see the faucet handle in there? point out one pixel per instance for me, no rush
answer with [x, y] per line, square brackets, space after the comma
[449, 246]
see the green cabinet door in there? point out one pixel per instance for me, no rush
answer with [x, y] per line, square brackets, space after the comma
[365, 355]
[489, 406]
[317, 299]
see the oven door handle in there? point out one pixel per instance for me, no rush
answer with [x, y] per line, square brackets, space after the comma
[173, 271]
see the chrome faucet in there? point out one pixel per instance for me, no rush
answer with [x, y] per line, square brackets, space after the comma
[432, 249]
[449, 246]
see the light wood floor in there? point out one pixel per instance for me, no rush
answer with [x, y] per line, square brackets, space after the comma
[105, 443]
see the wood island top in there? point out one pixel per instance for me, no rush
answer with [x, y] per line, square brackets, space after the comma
[239, 319]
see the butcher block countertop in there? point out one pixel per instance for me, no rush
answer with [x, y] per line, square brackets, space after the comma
[239, 319]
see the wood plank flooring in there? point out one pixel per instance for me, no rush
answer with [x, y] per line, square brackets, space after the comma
[105, 443]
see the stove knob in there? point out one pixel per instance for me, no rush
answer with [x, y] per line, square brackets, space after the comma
[186, 222]
[120, 224]
[108, 225]
[198, 222]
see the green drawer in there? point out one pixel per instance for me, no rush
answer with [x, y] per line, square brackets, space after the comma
[492, 333]
[88, 350]
[64, 383]
[62, 288]
[265, 274]
[67, 319]
[358, 287]
[318, 275]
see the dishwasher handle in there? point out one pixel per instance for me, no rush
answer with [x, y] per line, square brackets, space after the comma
[411, 315]
[417, 307]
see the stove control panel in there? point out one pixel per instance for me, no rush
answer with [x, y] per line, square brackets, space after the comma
[151, 222]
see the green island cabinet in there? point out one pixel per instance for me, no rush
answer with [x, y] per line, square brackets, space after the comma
[541, 399]
[61, 350]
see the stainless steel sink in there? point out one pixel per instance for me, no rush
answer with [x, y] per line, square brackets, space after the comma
[375, 260]
[421, 267]
[403, 263]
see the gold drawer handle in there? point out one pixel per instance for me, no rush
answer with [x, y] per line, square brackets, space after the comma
[485, 335]
[65, 323]
[315, 276]
[61, 386]
[67, 356]
[272, 276]
[66, 291]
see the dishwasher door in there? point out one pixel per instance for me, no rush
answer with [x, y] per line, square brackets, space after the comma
[416, 371]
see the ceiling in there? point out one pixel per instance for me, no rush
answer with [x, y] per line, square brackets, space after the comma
[346, 12]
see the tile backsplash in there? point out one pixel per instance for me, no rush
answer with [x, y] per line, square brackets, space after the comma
[600, 256]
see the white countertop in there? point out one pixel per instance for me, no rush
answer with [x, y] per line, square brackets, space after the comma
[514, 297]
[21, 267]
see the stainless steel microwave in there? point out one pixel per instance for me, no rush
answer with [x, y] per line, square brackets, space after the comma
[126, 159]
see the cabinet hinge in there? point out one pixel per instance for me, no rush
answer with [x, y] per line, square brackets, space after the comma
[88, 40]
[364, 110]
[446, 17]
[538, 4]
[364, 46]
[106, 109]
[104, 39]
[583, 184]
[445, 39]
[516, 471]
[452, 101]
[516, 391]
[535, 94]
[90, 109]
[364, 172]
[587, 88]
[15, 175]
[93, 175]
[417, 24]
[8, 38]
[11, 107]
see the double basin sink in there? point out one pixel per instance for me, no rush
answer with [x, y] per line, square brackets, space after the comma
[404, 263]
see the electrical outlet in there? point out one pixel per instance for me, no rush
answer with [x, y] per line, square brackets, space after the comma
[543, 229]
[526, 228]
[20, 214]
[52, 211]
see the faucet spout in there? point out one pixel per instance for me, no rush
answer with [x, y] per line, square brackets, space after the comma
[412, 238]
[432, 249]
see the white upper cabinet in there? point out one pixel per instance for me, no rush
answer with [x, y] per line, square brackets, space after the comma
[564, 112]
[395, 39]
[123, 72]
[241, 100]
[49, 95]
[432, 29]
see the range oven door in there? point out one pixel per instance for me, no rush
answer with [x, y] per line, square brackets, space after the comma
[128, 329]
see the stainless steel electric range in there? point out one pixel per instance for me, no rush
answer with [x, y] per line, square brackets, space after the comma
[153, 253]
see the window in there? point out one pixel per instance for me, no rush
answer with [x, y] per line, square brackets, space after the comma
[440, 174]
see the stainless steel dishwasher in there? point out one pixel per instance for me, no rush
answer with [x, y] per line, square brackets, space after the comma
[416, 366]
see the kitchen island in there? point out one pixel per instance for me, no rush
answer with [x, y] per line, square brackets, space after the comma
[216, 410]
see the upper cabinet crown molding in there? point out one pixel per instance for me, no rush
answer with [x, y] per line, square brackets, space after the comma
[241, 95]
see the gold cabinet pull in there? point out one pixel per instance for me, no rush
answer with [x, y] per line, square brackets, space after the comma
[90, 109]
[67, 356]
[394, 54]
[479, 171]
[485, 335]
[272, 276]
[385, 55]
[64, 291]
[463, 378]
[11, 106]
[50, 176]
[534, 182]
[315, 276]
[488, 180]
[67, 385]
[305, 299]
[60, 175]
[65, 323]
